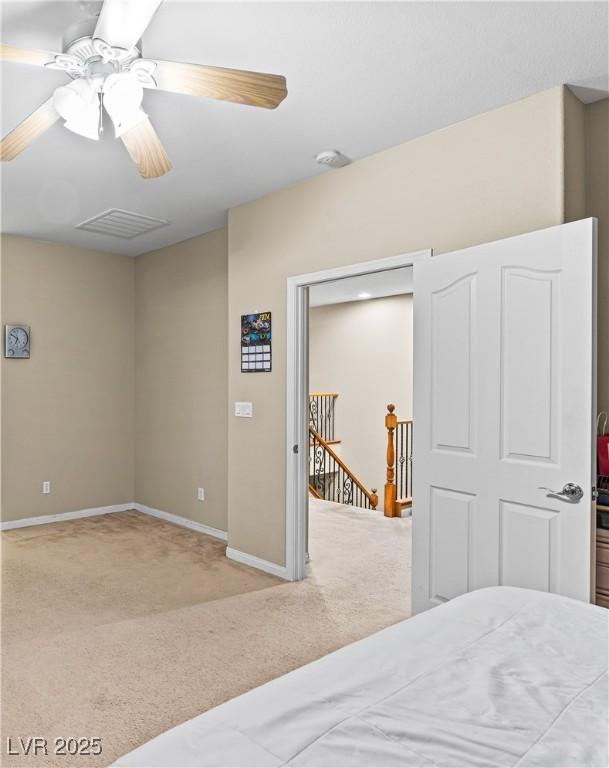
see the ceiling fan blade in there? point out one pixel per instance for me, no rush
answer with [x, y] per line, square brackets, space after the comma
[27, 131]
[146, 150]
[121, 23]
[253, 88]
[26, 55]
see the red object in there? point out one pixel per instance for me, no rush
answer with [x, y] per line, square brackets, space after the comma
[602, 452]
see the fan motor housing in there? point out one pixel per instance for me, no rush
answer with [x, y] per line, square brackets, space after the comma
[78, 42]
[86, 55]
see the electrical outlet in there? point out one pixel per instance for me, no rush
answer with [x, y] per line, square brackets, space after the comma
[201, 494]
[46, 486]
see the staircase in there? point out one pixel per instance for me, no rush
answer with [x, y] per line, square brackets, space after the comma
[322, 410]
[331, 479]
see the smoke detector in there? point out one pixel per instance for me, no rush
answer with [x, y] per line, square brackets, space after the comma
[332, 158]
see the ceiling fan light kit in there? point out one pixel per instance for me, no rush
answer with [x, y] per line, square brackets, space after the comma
[78, 104]
[108, 73]
[102, 82]
[122, 99]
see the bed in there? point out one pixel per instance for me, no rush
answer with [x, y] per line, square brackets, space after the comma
[497, 677]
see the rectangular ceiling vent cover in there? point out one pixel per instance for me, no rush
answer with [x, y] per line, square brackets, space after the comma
[119, 223]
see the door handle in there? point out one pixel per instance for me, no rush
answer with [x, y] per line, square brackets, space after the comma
[570, 492]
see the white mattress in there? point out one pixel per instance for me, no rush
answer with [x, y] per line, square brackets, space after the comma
[497, 677]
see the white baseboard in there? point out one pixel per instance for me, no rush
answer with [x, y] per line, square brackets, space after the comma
[257, 562]
[25, 522]
[183, 521]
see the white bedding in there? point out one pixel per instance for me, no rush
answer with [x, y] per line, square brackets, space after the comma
[497, 677]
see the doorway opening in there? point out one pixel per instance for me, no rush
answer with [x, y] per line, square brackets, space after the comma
[360, 437]
[319, 351]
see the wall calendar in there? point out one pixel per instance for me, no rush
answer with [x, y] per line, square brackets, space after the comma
[256, 355]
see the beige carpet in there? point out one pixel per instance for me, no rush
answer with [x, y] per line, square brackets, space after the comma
[121, 626]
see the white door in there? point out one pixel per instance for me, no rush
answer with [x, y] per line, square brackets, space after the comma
[503, 404]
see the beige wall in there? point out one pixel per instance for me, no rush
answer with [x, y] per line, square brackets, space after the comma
[575, 157]
[181, 379]
[67, 412]
[597, 204]
[363, 351]
[77, 414]
[496, 175]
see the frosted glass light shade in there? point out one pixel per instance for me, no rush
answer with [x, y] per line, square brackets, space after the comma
[78, 104]
[122, 100]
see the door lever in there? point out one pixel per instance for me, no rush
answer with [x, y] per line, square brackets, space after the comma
[570, 492]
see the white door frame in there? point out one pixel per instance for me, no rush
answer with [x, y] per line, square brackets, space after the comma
[297, 410]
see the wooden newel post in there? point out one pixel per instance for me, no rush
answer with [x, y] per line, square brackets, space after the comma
[391, 421]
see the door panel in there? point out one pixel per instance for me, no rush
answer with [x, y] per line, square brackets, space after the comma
[528, 548]
[529, 369]
[450, 520]
[504, 400]
[452, 328]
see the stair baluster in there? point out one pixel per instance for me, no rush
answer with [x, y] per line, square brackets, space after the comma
[330, 478]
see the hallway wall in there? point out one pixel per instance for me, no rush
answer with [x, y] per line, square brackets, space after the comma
[363, 351]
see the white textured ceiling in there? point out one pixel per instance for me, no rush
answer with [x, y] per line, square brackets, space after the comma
[362, 76]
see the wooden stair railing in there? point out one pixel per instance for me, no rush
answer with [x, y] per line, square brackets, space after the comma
[398, 485]
[330, 478]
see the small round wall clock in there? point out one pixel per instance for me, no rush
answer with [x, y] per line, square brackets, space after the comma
[16, 341]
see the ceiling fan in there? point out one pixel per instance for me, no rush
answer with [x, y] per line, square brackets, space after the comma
[109, 73]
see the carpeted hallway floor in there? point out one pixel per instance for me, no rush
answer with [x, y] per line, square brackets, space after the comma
[122, 626]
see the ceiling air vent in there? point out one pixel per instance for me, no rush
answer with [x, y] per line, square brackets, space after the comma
[119, 223]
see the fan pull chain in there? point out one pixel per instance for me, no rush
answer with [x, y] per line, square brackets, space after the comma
[101, 113]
